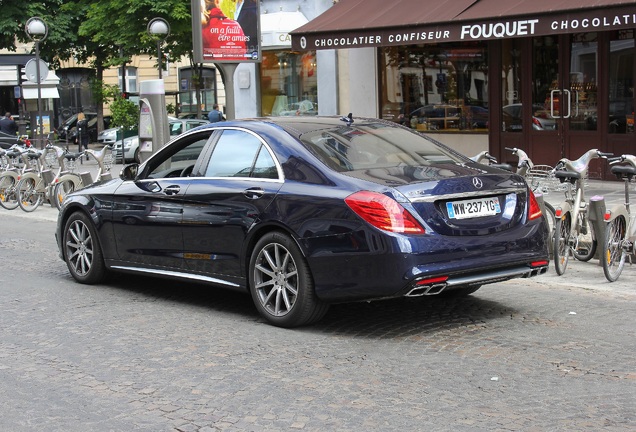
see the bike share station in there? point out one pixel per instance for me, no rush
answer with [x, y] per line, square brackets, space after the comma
[154, 129]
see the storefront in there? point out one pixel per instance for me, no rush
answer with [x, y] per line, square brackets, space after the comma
[554, 83]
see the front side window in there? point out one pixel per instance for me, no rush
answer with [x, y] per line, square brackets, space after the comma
[289, 85]
[440, 87]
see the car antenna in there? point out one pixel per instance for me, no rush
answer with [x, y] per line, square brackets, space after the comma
[348, 119]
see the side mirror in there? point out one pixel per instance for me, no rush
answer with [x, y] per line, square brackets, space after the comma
[129, 172]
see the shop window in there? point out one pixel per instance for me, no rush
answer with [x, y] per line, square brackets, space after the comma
[436, 87]
[288, 84]
[583, 82]
[621, 83]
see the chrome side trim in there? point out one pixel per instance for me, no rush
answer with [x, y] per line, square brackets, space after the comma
[495, 276]
[465, 195]
[177, 274]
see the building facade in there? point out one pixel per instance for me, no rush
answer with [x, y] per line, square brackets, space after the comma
[553, 79]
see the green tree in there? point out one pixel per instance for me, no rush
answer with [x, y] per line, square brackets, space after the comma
[101, 33]
[125, 114]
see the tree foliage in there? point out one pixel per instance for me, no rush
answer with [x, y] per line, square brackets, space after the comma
[125, 114]
[100, 34]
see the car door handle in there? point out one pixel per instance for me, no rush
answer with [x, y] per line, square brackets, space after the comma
[172, 190]
[254, 193]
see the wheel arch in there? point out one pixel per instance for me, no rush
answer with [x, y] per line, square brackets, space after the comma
[257, 233]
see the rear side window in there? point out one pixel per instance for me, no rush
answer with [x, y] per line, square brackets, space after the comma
[374, 145]
[240, 154]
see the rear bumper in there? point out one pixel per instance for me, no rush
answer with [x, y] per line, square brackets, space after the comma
[393, 266]
[433, 286]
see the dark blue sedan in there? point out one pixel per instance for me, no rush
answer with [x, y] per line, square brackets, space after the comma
[302, 212]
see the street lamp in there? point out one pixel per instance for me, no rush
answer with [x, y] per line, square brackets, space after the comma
[37, 30]
[159, 28]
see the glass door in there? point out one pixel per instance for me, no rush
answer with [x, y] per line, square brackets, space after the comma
[550, 101]
[564, 97]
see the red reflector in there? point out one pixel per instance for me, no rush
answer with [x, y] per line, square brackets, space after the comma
[539, 263]
[534, 209]
[558, 212]
[607, 216]
[383, 212]
[432, 280]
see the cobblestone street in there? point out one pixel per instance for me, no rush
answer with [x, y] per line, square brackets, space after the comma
[549, 353]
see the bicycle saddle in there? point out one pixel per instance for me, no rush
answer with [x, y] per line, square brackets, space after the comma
[622, 171]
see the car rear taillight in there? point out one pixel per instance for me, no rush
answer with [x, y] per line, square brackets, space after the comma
[537, 122]
[534, 211]
[383, 212]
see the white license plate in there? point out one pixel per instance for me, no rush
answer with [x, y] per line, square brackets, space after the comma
[473, 208]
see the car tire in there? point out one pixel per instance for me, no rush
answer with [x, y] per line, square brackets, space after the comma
[281, 283]
[136, 157]
[82, 250]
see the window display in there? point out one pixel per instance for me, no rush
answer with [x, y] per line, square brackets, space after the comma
[440, 87]
[288, 84]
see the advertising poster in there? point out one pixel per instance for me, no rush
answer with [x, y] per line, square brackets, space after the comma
[226, 30]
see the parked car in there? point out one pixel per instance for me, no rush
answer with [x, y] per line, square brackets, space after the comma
[541, 118]
[130, 146]
[442, 116]
[68, 130]
[301, 212]
[7, 140]
[112, 135]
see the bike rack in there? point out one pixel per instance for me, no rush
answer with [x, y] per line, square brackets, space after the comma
[596, 216]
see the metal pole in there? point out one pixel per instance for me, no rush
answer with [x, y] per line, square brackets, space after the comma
[39, 119]
[159, 57]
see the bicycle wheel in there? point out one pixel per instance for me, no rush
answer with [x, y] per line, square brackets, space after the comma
[29, 198]
[586, 243]
[562, 230]
[62, 189]
[8, 195]
[614, 255]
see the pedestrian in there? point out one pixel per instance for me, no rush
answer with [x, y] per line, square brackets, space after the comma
[8, 125]
[82, 136]
[215, 115]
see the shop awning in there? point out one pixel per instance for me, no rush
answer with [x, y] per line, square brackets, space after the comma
[375, 23]
[8, 76]
[47, 92]
[276, 26]
[48, 88]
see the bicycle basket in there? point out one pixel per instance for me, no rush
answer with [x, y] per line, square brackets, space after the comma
[541, 179]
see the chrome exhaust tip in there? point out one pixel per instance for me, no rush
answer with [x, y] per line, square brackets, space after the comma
[425, 290]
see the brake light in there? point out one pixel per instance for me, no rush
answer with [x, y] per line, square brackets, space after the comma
[383, 212]
[539, 263]
[534, 209]
[536, 122]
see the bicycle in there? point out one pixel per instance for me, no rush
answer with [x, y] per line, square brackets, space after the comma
[574, 234]
[37, 185]
[72, 182]
[537, 177]
[10, 177]
[620, 231]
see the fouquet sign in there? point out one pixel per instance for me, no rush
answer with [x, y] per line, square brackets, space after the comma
[543, 25]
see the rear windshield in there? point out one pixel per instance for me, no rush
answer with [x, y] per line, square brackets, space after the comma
[375, 145]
